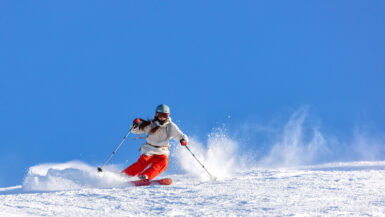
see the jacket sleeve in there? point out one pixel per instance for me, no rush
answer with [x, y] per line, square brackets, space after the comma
[176, 133]
[139, 131]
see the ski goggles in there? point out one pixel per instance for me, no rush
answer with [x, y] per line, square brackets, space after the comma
[162, 115]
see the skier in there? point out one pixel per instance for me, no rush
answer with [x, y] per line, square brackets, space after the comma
[155, 150]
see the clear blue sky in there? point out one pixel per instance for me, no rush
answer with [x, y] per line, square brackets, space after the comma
[75, 73]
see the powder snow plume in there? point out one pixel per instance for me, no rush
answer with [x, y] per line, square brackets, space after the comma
[296, 144]
[220, 156]
[69, 176]
[302, 142]
[297, 141]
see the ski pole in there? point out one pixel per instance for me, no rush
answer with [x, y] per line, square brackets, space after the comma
[124, 138]
[211, 176]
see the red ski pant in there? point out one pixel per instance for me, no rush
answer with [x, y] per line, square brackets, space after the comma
[157, 163]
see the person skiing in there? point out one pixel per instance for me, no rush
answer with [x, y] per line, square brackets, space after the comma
[155, 150]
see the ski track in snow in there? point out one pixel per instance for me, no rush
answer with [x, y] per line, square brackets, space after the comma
[350, 189]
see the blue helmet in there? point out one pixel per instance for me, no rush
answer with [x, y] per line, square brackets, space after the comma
[162, 108]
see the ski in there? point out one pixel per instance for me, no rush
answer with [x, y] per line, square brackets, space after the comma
[164, 181]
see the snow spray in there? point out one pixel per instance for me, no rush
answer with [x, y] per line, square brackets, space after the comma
[220, 156]
[69, 176]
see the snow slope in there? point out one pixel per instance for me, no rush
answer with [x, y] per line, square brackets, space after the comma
[76, 189]
[287, 189]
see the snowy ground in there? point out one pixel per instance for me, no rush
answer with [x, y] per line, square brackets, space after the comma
[350, 189]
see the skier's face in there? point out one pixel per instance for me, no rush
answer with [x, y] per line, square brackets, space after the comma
[162, 116]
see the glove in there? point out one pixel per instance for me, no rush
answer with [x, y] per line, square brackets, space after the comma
[183, 142]
[136, 122]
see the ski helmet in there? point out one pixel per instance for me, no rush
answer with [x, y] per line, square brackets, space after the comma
[162, 108]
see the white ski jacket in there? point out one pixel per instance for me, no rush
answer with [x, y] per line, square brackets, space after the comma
[159, 142]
